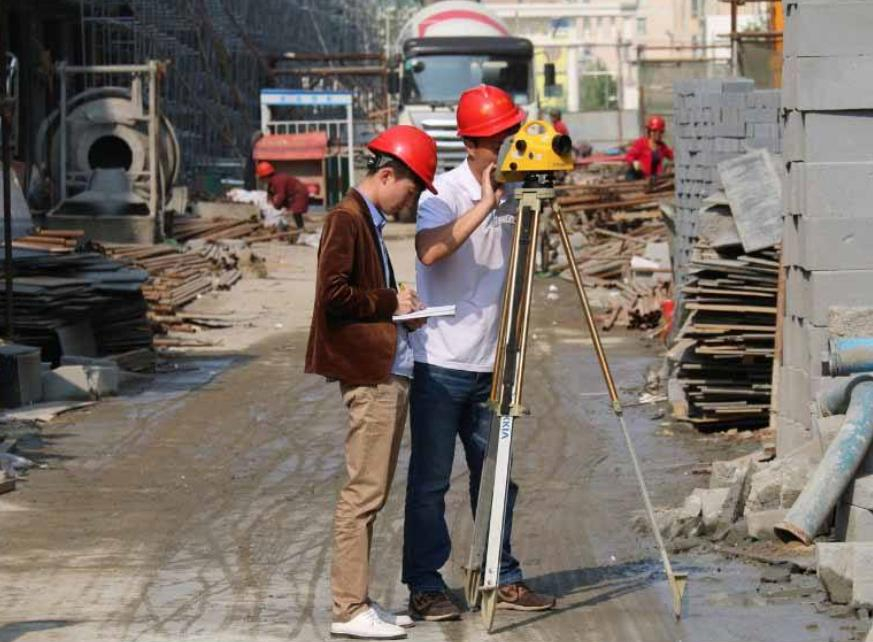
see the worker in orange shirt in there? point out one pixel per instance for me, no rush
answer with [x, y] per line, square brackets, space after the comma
[285, 192]
[647, 154]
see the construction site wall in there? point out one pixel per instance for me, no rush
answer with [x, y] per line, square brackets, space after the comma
[827, 236]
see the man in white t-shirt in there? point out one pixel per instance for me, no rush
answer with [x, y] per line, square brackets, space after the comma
[463, 242]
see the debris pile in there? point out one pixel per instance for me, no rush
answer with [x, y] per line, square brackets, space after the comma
[749, 495]
[621, 245]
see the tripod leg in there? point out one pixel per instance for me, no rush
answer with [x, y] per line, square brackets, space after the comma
[496, 519]
[677, 581]
[512, 378]
[473, 571]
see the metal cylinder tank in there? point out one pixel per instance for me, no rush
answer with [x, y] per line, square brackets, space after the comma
[107, 128]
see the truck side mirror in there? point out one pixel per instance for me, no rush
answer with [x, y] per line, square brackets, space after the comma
[393, 82]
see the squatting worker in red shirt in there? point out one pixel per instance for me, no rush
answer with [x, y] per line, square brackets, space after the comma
[285, 192]
[646, 155]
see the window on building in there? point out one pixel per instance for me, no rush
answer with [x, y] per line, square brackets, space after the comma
[586, 24]
[598, 89]
[641, 26]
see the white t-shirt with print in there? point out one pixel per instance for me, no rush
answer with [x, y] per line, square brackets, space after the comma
[472, 278]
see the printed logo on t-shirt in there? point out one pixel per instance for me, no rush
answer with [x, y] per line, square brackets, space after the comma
[505, 213]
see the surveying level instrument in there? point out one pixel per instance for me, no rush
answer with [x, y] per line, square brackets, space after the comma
[531, 157]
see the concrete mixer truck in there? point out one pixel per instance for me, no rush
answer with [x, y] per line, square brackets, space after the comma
[448, 47]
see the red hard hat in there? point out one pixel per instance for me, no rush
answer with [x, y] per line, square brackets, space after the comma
[410, 146]
[486, 111]
[656, 124]
[265, 169]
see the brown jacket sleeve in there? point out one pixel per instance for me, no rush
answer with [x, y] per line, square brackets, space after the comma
[335, 260]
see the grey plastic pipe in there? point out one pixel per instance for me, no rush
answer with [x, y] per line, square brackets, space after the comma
[840, 462]
[850, 355]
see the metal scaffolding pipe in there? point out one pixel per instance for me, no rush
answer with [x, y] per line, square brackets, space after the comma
[839, 464]
[850, 355]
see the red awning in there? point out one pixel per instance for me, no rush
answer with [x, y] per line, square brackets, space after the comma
[290, 147]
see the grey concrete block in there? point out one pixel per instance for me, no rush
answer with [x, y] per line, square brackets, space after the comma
[838, 137]
[796, 291]
[837, 288]
[862, 577]
[860, 492]
[790, 434]
[792, 136]
[760, 524]
[832, 190]
[854, 524]
[845, 321]
[790, 238]
[20, 375]
[834, 565]
[730, 85]
[765, 488]
[834, 243]
[789, 82]
[80, 382]
[832, 29]
[718, 507]
[833, 83]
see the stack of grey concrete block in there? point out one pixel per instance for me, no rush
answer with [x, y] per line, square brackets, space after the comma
[828, 196]
[715, 119]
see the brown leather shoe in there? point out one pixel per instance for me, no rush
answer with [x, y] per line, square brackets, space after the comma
[433, 607]
[518, 597]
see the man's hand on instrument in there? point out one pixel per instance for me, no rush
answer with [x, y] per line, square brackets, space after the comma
[492, 190]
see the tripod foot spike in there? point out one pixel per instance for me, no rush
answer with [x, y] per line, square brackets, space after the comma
[677, 585]
[489, 606]
[471, 587]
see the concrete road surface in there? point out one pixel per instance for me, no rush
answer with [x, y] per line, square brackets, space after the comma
[201, 508]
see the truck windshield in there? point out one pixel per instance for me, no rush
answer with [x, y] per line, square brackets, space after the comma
[441, 79]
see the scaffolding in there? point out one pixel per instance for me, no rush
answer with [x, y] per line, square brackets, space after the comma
[219, 54]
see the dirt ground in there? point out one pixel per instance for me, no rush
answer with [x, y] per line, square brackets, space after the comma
[198, 506]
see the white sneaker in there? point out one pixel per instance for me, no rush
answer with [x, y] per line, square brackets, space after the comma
[367, 626]
[392, 618]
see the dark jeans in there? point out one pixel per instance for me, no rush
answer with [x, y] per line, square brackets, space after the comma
[445, 404]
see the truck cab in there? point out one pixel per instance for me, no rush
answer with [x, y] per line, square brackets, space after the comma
[448, 48]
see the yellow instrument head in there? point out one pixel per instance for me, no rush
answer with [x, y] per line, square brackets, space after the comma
[536, 148]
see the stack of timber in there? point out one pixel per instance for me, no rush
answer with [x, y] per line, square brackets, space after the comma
[605, 200]
[251, 230]
[178, 276]
[52, 241]
[724, 349]
[66, 302]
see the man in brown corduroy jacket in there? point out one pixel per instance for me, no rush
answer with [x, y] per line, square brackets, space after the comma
[354, 340]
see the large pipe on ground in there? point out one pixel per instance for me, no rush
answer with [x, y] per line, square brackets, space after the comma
[850, 356]
[840, 462]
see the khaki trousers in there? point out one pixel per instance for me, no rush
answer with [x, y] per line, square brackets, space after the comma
[377, 416]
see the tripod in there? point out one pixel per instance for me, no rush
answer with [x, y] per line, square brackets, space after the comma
[483, 567]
